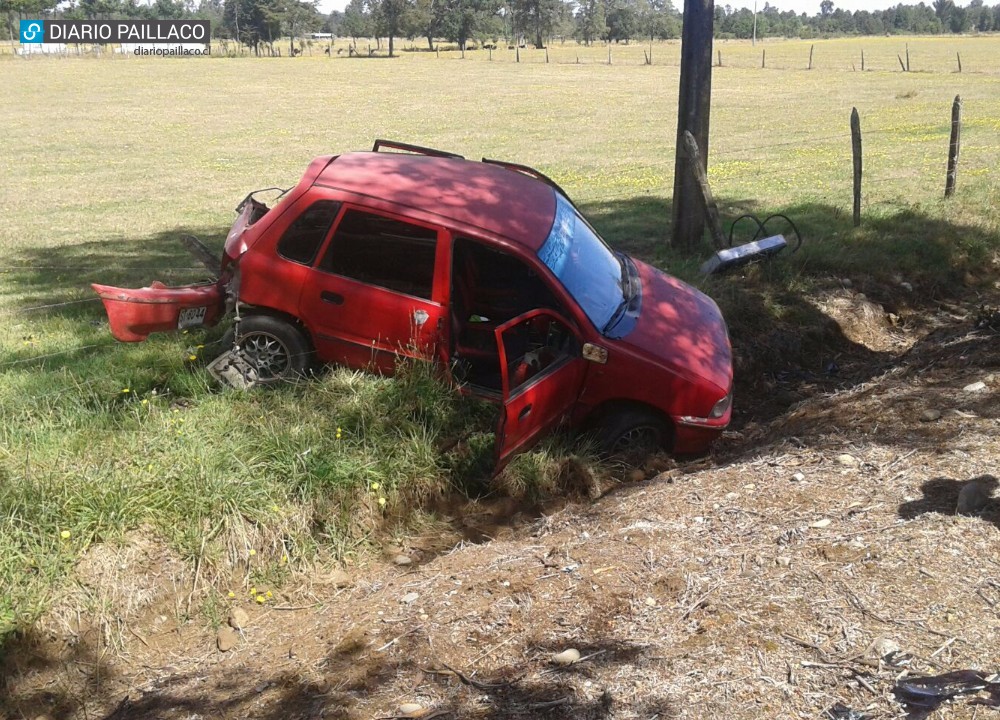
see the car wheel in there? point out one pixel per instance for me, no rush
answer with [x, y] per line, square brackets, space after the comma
[275, 348]
[630, 435]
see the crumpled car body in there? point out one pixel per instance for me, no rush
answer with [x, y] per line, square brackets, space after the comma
[486, 267]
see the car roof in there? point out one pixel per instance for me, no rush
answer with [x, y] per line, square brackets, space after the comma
[496, 199]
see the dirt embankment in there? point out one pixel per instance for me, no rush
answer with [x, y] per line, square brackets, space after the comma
[812, 560]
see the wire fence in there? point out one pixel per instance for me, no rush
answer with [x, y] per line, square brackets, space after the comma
[787, 171]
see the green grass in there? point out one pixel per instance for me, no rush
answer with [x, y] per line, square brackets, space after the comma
[109, 161]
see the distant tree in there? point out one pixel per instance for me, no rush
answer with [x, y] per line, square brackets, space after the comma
[590, 21]
[826, 7]
[357, 22]
[389, 18]
[622, 22]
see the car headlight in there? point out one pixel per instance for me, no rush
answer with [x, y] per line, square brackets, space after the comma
[722, 407]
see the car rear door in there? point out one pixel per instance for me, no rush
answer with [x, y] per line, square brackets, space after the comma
[376, 291]
[542, 372]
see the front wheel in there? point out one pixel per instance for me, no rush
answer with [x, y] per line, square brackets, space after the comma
[275, 348]
[630, 435]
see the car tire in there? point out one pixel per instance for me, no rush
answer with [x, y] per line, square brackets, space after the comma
[632, 434]
[275, 348]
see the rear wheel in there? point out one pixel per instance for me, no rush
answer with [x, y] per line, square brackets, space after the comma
[275, 348]
[631, 435]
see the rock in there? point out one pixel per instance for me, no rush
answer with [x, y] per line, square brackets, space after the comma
[636, 475]
[566, 657]
[238, 619]
[846, 282]
[402, 560]
[976, 387]
[906, 286]
[338, 578]
[847, 460]
[825, 522]
[883, 647]
[410, 597]
[226, 639]
[798, 477]
[930, 415]
[732, 496]
[973, 497]
[783, 561]
[651, 602]
[411, 710]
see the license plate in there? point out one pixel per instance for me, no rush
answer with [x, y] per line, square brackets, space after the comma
[191, 317]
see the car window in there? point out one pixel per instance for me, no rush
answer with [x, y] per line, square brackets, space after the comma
[382, 251]
[585, 266]
[303, 237]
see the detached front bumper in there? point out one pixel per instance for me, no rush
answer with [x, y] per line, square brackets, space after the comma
[135, 313]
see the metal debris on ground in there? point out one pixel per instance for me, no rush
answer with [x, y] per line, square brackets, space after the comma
[840, 711]
[232, 369]
[923, 695]
[761, 246]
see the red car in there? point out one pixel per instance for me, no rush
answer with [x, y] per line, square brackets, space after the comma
[486, 266]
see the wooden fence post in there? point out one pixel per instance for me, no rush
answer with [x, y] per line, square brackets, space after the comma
[959, 56]
[517, 54]
[546, 56]
[856, 149]
[811, 48]
[763, 58]
[720, 58]
[609, 53]
[901, 65]
[954, 146]
[711, 209]
[862, 60]
[491, 54]
[907, 57]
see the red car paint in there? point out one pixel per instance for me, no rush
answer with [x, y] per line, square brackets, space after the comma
[673, 359]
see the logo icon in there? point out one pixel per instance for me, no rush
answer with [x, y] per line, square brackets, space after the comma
[31, 31]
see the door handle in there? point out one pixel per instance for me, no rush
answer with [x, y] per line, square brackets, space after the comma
[525, 412]
[331, 297]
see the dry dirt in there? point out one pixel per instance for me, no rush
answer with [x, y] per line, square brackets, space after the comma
[762, 582]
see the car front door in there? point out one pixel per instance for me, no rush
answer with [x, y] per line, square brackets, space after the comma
[542, 373]
[374, 294]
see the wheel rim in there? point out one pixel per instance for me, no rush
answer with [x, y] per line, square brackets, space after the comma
[640, 439]
[268, 355]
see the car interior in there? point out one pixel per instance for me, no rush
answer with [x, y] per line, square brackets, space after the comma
[489, 288]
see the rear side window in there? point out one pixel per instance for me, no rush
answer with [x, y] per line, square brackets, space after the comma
[381, 251]
[303, 237]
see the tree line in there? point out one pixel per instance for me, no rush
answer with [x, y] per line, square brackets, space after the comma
[483, 22]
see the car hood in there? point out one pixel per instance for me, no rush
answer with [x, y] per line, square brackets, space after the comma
[681, 328]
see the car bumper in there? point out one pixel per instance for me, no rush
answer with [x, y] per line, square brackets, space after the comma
[694, 435]
[135, 313]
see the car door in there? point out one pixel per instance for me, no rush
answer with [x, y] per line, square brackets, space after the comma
[542, 372]
[373, 294]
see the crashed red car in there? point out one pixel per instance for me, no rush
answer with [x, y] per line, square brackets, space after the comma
[486, 266]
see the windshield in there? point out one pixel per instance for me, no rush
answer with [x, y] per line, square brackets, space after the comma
[585, 266]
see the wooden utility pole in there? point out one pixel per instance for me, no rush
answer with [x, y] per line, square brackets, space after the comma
[693, 110]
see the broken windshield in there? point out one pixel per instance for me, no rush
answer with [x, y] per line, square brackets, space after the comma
[584, 264]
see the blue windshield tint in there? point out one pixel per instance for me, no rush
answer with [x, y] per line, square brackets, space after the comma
[585, 266]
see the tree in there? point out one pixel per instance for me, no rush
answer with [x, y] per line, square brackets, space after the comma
[590, 21]
[389, 17]
[357, 22]
[826, 7]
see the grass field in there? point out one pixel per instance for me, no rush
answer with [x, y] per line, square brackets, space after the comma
[108, 161]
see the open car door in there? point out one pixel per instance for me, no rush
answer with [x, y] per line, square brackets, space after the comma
[541, 372]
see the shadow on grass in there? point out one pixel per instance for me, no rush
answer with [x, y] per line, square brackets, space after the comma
[785, 346]
[74, 682]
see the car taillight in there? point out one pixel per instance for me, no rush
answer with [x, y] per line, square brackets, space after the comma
[722, 407]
